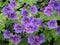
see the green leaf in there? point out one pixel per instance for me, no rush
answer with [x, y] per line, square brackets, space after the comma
[30, 2]
[23, 41]
[10, 42]
[57, 42]
[2, 21]
[47, 35]
[54, 34]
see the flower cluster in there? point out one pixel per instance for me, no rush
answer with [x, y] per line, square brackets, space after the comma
[29, 24]
[15, 38]
[36, 40]
[8, 10]
[52, 5]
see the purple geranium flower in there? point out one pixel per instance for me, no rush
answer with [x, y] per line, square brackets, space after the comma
[12, 3]
[48, 11]
[56, 5]
[6, 34]
[58, 10]
[33, 9]
[30, 39]
[30, 28]
[58, 29]
[12, 16]
[33, 40]
[7, 10]
[51, 3]
[16, 39]
[42, 38]
[37, 21]
[36, 40]
[26, 20]
[52, 24]
[24, 13]
[18, 28]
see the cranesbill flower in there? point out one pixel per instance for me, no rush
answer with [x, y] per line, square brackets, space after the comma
[12, 3]
[58, 10]
[31, 28]
[42, 38]
[58, 30]
[33, 40]
[7, 10]
[52, 24]
[16, 39]
[18, 28]
[33, 9]
[12, 16]
[6, 34]
[51, 3]
[36, 40]
[56, 5]
[48, 11]
[26, 20]
[37, 21]
[24, 13]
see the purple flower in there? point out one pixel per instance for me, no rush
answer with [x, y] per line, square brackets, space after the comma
[16, 39]
[58, 10]
[7, 10]
[26, 20]
[6, 34]
[30, 39]
[33, 9]
[30, 28]
[56, 5]
[33, 40]
[55, 0]
[36, 40]
[24, 13]
[48, 11]
[37, 21]
[52, 24]
[58, 30]
[12, 3]
[42, 38]
[18, 28]
[51, 3]
[12, 16]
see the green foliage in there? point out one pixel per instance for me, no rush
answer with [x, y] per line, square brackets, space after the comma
[47, 35]
[31, 2]
[2, 22]
[54, 16]
[57, 42]
[50, 34]
[24, 41]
